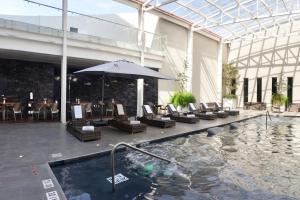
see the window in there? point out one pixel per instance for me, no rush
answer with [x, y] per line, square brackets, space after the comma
[246, 80]
[290, 89]
[274, 85]
[259, 90]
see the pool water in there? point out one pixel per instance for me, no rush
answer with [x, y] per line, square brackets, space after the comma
[249, 162]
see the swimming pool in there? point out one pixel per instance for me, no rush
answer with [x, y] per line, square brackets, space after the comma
[244, 163]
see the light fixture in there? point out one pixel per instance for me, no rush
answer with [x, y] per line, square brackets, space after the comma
[88, 83]
[131, 84]
[57, 78]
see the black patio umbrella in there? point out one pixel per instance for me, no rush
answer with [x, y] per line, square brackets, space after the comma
[122, 68]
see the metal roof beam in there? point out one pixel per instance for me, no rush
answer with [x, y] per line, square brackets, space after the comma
[159, 4]
[256, 18]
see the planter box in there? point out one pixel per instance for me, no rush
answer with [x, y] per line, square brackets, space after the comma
[229, 103]
[279, 109]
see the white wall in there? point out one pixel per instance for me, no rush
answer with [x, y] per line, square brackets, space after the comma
[175, 54]
[267, 58]
[205, 55]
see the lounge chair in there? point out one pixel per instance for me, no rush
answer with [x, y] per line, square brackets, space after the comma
[231, 112]
[151, 119]
[217, 109]
[121, 121]
[80, 127]
[189, 118]
[214, 110]
[200, 114]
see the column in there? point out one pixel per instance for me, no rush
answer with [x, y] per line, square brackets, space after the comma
[189, 60]
[140, 82]
[219, 71]
[63, 86]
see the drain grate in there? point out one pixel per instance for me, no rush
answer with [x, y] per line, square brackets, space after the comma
[119, 178]
[52, 195]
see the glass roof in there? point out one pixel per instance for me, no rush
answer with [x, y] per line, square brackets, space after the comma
[233, 19]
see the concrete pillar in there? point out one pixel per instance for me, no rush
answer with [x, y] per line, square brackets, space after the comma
[140, 82]
[189, 60]
[63, 99]
[219, 72]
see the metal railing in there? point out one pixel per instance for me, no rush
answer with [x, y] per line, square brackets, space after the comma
[268, 115]
[136, 149]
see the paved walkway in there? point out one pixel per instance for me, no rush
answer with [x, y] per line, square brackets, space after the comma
[27, 148]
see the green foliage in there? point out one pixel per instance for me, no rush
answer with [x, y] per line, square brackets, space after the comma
[182, 78]
[182, 99]
[230, 96]
[230, 73]
[279, 99]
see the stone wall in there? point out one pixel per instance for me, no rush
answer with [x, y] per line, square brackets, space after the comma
[19, 78]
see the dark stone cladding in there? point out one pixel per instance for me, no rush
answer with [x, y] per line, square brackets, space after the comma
[18, 78]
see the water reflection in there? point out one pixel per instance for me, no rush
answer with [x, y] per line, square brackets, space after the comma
[245, 163]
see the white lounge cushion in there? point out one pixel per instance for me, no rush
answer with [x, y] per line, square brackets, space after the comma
[190, 115]
[209, 113]
[172, 107]
[221, 111]
[88, 128]
[192, 106]
[205, 105]
[219, 106]
[148, 109]
[165, 118]
[78, 112]
[134, 122]
[120, 109]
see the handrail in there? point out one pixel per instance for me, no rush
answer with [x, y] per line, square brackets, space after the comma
[136, 149]
[267, 114]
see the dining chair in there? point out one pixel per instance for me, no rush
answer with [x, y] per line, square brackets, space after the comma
[2, 112]
[37, 110]
[17, 110]
[88, 109]
[54, 110]
[109, 108]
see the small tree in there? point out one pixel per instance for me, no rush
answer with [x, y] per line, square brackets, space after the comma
[230, 73]
[182, 78]
[279, 98]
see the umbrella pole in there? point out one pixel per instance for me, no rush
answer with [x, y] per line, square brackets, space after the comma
[102, 98]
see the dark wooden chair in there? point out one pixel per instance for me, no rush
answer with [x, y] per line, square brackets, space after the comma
[189, 118]
[200, 113]
[151, 119]
[80, 127]
[121, 121]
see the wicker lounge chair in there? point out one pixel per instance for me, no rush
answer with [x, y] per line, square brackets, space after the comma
[189, 118]
[217, 109]
[121, 121]
[151, 119]
[201, 114]
[231, 112]
[79, 126]
[214, 110]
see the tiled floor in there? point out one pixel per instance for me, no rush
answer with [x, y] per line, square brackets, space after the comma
[26, 149]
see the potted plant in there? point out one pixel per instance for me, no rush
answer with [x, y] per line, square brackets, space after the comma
[279, 100]
[182, 99]
[230, 75]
